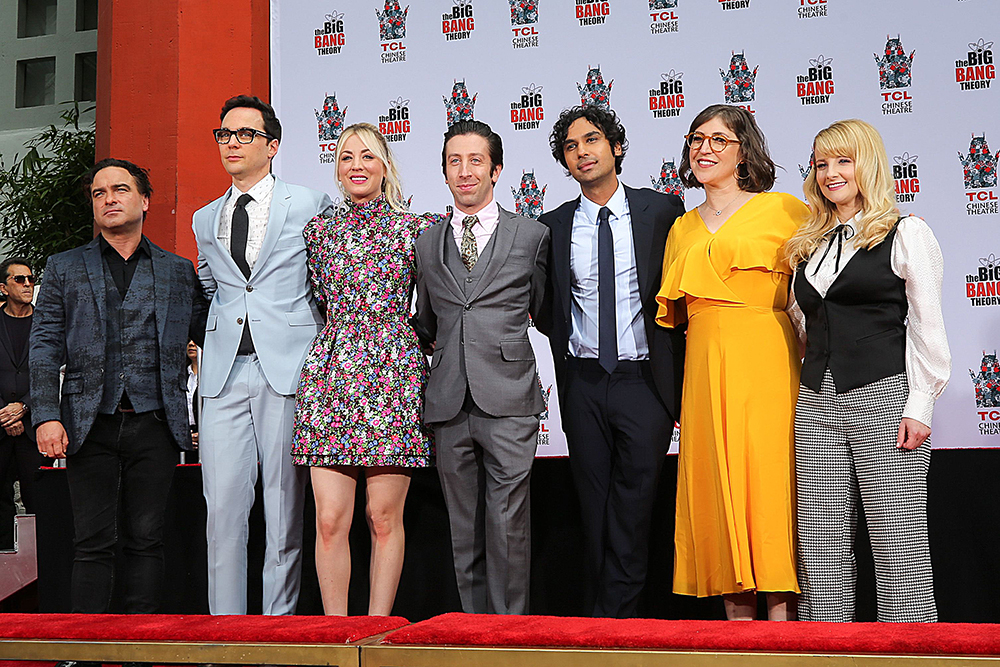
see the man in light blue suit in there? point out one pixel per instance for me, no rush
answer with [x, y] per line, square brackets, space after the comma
[252, 264]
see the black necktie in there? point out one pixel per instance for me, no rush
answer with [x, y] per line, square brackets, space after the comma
[607, 328]
[238, 239]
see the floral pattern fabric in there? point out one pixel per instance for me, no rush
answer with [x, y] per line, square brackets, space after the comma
[360, 395]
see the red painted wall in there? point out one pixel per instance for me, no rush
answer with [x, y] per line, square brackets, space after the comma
[164, 69]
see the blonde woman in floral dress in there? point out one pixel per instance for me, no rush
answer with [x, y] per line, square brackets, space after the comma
[359, 398]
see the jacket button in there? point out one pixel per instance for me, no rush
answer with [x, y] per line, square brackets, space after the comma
[121, 375]
[239, 320]
[468, 306]
[249, 288]
[468, 280]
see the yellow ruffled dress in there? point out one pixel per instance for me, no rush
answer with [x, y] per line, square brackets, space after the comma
[735, 481]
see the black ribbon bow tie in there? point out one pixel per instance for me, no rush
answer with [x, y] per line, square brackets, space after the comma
[843, 233]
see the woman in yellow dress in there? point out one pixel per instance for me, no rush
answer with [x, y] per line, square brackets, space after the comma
[723, 278]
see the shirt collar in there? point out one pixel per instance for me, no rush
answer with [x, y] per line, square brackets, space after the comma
[259, 191]
[616, 205]
[108, 248]
[488, 216]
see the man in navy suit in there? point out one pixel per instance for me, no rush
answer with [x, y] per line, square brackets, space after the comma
[118, 312]
[252, 264]
[618, 373]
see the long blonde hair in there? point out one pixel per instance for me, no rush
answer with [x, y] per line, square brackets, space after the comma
[862, 143]
[373, 140]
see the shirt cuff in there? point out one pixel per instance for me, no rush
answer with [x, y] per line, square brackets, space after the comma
[920, 407]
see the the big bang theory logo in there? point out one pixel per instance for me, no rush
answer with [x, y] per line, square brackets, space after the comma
[728, 5]
[592, 12]
[810, 9]
[395, 124]
[987, 385]
[895, 76]
[329, 39]
[905, 177]
[977, 70]
[330, 122]
[739, 81]
[982, 286]
[527, 112]
[664, 18]
[459, 22]
[667, 99]
[816, 85]
[524, 23]
[979, 168]
[392, 31]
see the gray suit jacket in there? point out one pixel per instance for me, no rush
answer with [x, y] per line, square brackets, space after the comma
[488, 330]
[68, 327]
[276, 297]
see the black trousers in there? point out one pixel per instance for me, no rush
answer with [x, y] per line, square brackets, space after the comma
[618, 432]
[19, 461]
[124, 468]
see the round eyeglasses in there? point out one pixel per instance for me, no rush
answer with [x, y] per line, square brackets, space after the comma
[717, 142]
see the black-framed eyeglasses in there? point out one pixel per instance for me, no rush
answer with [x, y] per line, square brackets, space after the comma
[20, 278]
[244, 135]
[717, 142]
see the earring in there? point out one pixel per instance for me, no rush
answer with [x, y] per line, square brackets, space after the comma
[736, 172]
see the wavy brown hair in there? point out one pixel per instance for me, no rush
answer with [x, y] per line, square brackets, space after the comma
[861, 142]
[754, 156]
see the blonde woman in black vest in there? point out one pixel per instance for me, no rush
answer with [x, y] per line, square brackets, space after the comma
[868, 281]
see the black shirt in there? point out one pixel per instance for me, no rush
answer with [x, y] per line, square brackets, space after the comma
[17, 331]
[122, 269]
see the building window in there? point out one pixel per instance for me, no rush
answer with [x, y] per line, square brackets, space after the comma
[36, 82]
[36, 17]
[85, 89]
[86, 15]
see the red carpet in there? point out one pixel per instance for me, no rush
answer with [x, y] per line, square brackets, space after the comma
[225, 629]
[799, 637]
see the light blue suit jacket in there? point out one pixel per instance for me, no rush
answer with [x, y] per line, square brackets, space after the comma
[276, 297]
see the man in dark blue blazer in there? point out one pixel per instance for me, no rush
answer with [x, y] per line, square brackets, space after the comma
[618, 373]
[118, 312]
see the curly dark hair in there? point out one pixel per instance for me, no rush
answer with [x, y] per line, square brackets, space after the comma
[758, 171]
[605, 120]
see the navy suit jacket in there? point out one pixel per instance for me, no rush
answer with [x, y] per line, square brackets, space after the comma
[652, 215]
[69, 328]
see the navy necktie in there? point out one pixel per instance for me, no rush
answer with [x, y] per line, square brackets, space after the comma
[238, 238]
[607, 328]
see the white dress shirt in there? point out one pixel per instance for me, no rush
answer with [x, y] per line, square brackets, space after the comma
[258, 212]
[489, 217]
[584, 309]
[917, 259]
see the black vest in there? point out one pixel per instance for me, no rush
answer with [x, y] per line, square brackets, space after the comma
[859, 329]
[132, 349]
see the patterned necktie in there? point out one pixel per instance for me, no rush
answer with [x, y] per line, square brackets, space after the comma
[607, 327]
[469, 252]
[238, 237]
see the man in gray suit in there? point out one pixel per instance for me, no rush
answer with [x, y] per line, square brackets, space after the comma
[119, 313]
[252, 264]
[480, 274]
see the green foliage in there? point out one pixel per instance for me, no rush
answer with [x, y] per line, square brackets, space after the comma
[42, 208]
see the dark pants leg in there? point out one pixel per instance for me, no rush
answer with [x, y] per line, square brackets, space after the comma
[127, 458]
[618, 433]
[7, 508]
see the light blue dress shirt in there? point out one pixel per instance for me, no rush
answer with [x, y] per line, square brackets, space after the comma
[583, 336]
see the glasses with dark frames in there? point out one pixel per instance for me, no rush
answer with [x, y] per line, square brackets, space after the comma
[717, 142]
[20, 278]
[244, 135]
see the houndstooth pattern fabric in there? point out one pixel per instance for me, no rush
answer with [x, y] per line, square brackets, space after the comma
[845, 452]
[469, 252]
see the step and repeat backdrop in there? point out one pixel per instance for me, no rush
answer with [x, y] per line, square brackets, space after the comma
[922, 71]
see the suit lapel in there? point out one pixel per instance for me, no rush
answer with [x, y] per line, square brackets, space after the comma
[503, 239]
[562, 240]
[161, 290]
[642, 239]
[95, 272]
[443, 230]
[280, 201]
[8, 346]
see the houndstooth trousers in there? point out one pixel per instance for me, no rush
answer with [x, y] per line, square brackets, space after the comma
[845, 451]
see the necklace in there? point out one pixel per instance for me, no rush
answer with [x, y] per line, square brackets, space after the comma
[719, 212]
